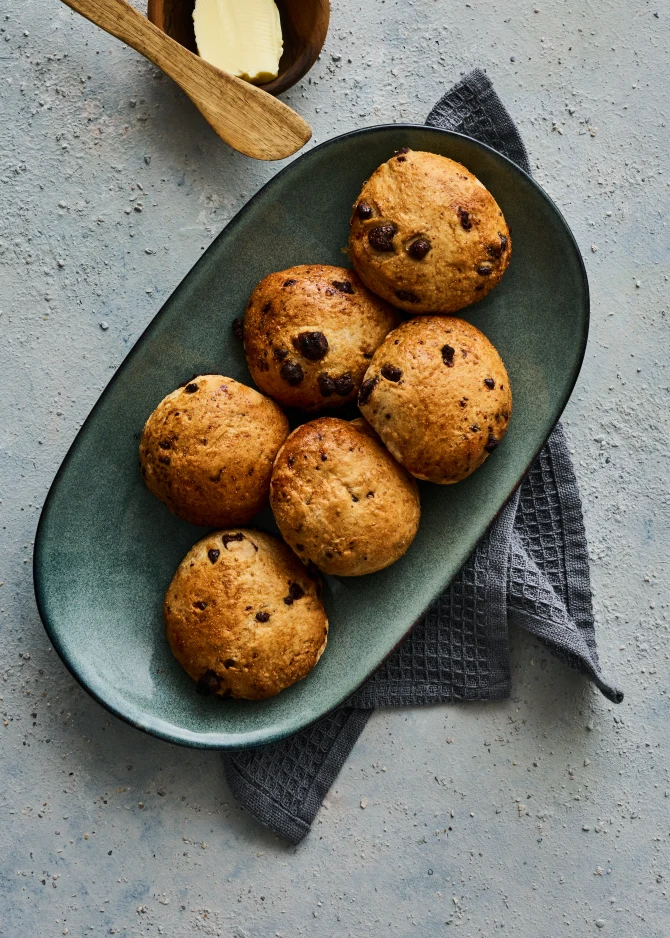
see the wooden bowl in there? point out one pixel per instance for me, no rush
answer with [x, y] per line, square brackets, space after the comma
[304, 26]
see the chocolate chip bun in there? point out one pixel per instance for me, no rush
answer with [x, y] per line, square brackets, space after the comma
[208, 448]
[438, 395]
[427, 235]
[341, 500]
[243, 616]
[309, 335]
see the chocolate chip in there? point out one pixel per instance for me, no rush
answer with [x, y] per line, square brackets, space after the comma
[480, 286]
[353, 498]
[311, 345]
[266, 309]
[503, 242]
[213, 555]
[484, 271]
[208, 684]
[164, 460]
[391, 373]
[238, 328]
[366, 390]
[296, 591]
[262, 616]
[288, 600]
[280, 353]
[494, 250]
[407, 296]
[464, 218]
[491, 443]
[490, 383]
[326, 385]
[364, 211]
[401, 151]
[229, 663]
[344, 384]
[344, 286]
[474, 428]
[418, 249]
[227, 538]
[323, 457]
[463, 401]
[165, 444]
[370, 495]
[448, 356]
[191, 388]
[289, 283]
[200, 605]
[401, 159]
[381, 237]
[299, 546]
[292, 373]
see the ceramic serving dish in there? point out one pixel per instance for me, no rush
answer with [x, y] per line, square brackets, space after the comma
[106, 549]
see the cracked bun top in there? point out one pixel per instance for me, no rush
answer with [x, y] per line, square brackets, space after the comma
[427, 235]
[341, 500]
[438, 395]
[244, 616]
[208, 448]
[309, 334]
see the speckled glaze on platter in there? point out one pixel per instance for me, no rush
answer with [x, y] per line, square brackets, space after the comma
[106, 549]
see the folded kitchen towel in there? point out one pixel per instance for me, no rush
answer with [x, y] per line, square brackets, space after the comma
[531, 569]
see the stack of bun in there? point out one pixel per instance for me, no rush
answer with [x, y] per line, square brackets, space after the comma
[244, 614]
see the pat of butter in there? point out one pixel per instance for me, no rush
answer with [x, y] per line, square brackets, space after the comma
[241, 37]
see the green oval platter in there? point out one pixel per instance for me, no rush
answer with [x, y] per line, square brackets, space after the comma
[106, 549]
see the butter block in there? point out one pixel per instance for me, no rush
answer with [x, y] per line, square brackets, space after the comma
[241, 37]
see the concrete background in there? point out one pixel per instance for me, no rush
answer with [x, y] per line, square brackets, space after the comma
[545, 815]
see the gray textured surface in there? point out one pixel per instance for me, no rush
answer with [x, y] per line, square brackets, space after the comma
[559, 799]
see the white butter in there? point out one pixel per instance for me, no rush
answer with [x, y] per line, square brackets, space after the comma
[241, 37]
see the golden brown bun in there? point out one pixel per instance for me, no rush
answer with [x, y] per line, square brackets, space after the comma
[439, 396]
[341, 500]
[243, 616]
[309, 335]
[208, 448]
[427, 235]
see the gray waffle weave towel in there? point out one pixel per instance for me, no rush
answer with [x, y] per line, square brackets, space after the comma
[531, 568]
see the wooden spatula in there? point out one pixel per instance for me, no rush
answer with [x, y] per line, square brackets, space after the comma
[248, 119]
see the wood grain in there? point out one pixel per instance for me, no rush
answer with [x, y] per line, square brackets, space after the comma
[246, 117]
[304, 27]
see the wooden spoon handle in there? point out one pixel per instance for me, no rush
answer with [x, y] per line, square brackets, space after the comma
[247, 118]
